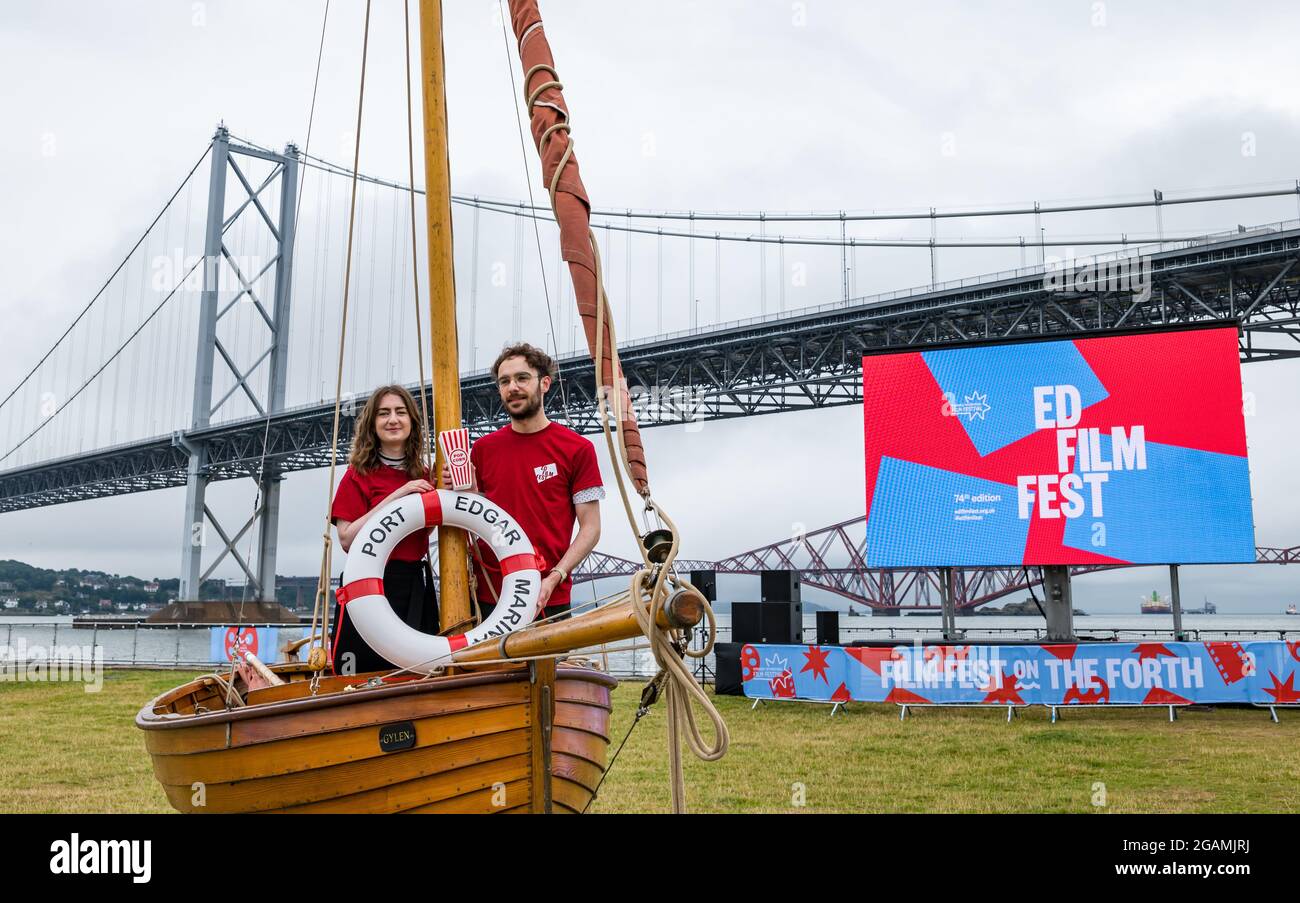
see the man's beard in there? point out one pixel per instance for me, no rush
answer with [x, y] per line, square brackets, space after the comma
[532, 405]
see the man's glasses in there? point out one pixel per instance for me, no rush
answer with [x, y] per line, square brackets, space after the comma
[523, 380]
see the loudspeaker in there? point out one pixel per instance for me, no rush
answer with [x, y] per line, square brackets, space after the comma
[767, 622]
[726, 681]
[783, 622]
[780, 586]
[828, 628]
[746, 622]
[707, 583]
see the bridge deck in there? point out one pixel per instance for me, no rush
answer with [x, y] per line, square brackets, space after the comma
[804, 359]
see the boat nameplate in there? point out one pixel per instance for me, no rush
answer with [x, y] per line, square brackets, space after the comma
[393, 737]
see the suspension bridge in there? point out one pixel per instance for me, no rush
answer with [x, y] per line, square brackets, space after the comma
[208, 352]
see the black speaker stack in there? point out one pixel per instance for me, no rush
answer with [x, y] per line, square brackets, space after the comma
[707, 583]
[778, 618]
[767, 622]
[726, 677]
[780, 586]
[828, 628]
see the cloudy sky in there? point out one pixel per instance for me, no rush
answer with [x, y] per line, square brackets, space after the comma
[764, 104]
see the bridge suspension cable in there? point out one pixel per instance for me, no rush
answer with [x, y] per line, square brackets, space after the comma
[1158, 200]
[112, 276]
[102, 367]
[850, 242]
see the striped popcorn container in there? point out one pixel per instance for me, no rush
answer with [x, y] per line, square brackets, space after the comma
[455, 450]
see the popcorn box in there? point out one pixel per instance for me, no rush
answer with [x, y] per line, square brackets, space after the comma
[455, 449]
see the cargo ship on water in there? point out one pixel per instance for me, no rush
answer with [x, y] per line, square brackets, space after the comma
[1154, 605]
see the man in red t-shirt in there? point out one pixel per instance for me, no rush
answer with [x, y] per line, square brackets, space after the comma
[543, 474]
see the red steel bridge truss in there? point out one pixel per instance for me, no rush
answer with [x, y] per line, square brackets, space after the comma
[834, 559]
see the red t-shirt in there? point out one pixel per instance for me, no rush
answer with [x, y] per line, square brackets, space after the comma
[358, 494]
[534, 477]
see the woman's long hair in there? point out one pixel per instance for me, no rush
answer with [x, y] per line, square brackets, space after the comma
[365, 445]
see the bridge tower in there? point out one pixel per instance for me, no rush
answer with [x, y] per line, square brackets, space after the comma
[260, 572]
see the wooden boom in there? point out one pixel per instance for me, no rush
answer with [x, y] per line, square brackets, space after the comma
[681, 610]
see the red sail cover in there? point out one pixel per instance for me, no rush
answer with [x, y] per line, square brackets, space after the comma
[572, 210]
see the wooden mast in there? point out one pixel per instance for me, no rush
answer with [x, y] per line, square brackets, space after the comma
[453, 596]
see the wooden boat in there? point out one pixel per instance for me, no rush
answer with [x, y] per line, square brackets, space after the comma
[528, 736]
[505, 740]
[496, 726]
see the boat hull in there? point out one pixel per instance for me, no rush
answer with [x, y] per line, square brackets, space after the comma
[495, 741]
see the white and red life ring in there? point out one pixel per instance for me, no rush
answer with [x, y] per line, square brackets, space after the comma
[362, 591]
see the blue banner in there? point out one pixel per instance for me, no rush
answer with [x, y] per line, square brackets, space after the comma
[1149, 673]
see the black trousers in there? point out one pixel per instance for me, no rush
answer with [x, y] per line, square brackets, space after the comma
[408, 586]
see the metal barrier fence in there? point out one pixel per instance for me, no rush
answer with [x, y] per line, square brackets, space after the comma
[1039, 634]
[186, 645]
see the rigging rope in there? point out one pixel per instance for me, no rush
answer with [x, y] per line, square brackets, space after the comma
[320, 610]
[270, 388]
[415, 254]
[427, 448]
[650, 585]
[669, 646]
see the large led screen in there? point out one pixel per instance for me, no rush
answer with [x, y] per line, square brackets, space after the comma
[1120, 449]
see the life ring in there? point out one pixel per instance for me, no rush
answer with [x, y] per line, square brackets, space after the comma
[362, 592]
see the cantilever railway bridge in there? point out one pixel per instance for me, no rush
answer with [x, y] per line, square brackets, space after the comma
[834, 559]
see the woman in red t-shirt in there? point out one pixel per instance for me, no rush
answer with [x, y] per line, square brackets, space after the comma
[385, 465]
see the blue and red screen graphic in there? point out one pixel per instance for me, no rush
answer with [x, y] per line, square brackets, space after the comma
[1126, 449]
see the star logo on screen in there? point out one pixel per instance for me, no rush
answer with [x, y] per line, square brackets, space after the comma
[976, 406]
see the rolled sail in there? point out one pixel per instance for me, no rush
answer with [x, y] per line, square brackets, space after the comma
[547, 110]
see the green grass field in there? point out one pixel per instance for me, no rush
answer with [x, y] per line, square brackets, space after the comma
[65, 750]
